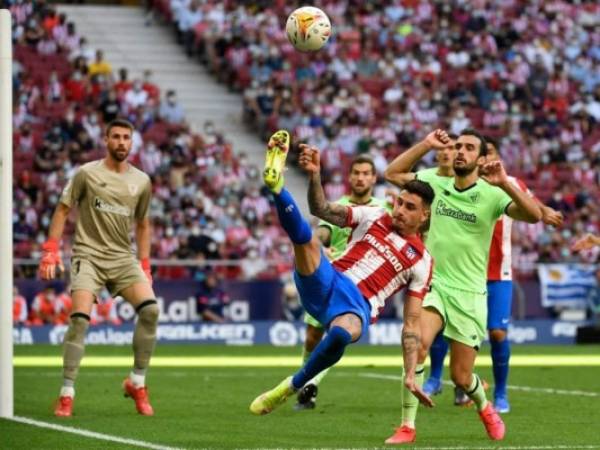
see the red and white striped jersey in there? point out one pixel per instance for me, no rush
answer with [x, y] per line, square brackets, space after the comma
[380, 261]
[500, 263]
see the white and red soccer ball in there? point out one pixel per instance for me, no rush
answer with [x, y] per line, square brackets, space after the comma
[308, 29]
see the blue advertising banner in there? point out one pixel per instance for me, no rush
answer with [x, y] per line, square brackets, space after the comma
[249, 300]
[277, 333]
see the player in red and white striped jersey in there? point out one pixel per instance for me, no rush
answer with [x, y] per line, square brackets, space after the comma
[380, 261]
[384, 254]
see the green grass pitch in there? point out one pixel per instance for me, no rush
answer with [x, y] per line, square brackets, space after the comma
[207, 407]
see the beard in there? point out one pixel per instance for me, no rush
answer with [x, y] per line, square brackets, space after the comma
[359, 192]
[119, 155]
[465, 170]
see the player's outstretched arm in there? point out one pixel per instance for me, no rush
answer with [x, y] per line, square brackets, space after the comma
[398, 172]
[411, 343]
[330, 212]
[523, 206]
[50, 251]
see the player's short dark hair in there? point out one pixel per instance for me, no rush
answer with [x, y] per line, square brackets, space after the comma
[363, 159]
[453, 136]
[493, 141]
[122, 123]
[478, 135]
[422, 189]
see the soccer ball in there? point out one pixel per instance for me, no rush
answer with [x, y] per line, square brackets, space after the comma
[308, 29]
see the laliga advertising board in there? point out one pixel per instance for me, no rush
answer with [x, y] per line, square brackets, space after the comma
[308, 29]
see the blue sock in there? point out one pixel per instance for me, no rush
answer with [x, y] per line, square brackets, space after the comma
[437, 353]
[290, 217]
[500, 357]
[328, 352]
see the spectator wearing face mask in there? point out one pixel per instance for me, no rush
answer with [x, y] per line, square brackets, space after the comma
[170, 110]
[136, 96]
[253, 265]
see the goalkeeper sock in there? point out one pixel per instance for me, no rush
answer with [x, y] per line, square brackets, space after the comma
[437, 353]
[290, 218]
[144, 338]
[477, 393]
[328, 352]
[500, 358]
[74, 348]
[410, 403]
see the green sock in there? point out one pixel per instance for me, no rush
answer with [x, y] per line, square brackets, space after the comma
[410, 403]
[477, 393]
[319, 377]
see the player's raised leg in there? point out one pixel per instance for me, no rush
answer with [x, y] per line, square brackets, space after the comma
[462, 361]
[73, 349]
[142, 298]
[314, 277]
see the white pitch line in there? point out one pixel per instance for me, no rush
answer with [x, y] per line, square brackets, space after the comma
[514, 388]
[90, 434]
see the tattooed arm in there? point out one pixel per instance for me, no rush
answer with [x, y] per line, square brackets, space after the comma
[411, 335]
[319, 206]
[411, 343]
[310, 162]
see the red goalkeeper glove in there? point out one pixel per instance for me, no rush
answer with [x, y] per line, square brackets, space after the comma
[145, 263]
[50, 259]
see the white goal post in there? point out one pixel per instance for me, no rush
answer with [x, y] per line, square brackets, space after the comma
[6, 202]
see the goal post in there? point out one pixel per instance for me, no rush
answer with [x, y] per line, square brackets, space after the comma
[6, 202]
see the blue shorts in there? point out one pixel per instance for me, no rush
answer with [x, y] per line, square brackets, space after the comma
[499, 304]
[327, 293]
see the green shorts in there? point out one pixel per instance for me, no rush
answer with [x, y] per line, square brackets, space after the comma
[310, 320]
[464, 313]
[92, 274]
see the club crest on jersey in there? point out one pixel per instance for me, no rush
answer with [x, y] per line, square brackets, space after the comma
[133, 188]
[411, 253]
[475, 197]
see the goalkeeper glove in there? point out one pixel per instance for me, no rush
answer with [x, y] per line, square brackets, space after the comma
[50, 259]
[145, 263]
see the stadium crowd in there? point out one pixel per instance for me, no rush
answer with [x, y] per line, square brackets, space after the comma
[207, 202]
[526, 73]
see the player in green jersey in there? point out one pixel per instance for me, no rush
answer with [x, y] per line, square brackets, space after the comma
[362, 179]
[463, 217]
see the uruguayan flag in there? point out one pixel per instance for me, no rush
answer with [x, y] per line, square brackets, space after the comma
[566, 284]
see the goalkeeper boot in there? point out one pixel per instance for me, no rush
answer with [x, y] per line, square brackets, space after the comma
[139, 396]
[64, 406]
[307, 397]
[277, 151]
[268, 401]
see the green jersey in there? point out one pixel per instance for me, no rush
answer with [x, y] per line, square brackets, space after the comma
[462, 224]
[339, 236]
